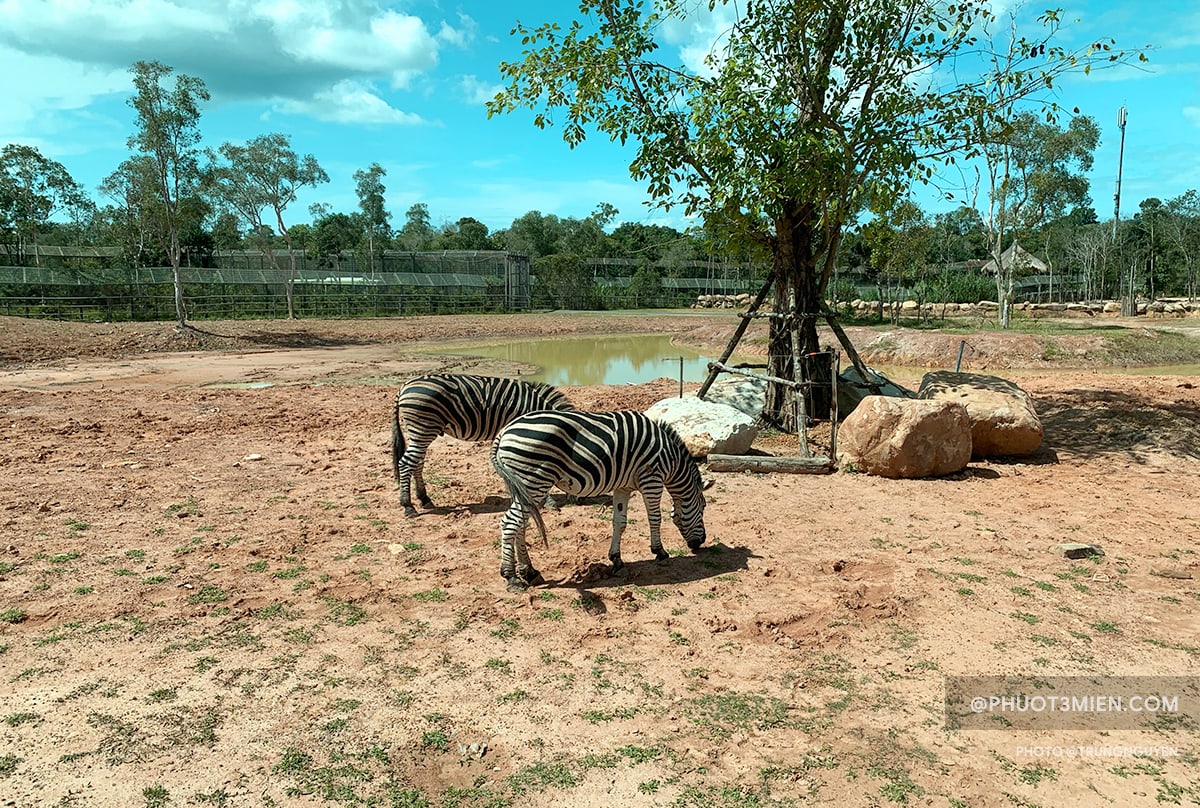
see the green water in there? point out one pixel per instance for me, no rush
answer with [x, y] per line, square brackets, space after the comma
[635, 359]
[618, 359]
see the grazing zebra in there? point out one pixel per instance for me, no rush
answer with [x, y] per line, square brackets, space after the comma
[587, 454]
[467, 407]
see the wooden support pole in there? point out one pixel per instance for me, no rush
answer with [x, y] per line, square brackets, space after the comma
[798, 373]
[855, 359]
[720, 367]
[785, 465]
[834, 360]
[735, 339]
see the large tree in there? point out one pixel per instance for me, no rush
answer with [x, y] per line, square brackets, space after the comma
[800, 112]
[168, 137]
[33, 188]
[260, 179]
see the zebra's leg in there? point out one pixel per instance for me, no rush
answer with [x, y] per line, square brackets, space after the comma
[525, 570]
[411, 468]
[619, 518]
[514, 556]
[652, 497]
[405, 472]
[419, 481]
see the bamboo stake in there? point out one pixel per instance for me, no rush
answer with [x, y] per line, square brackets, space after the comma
[798, 373]
[735, 339]
[855, 359]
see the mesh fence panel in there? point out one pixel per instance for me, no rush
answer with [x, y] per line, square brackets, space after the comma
[247, 284]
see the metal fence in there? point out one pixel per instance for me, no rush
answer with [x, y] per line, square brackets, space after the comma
[247, 286]
[76, 286]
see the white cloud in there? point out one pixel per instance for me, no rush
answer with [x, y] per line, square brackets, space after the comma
[350, 102]
[479, 92]
[1192, 114]
[701, 34]
[463, 35]
[245, 49]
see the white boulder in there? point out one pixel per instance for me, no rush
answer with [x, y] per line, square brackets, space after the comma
[745, 393]
[705, 426]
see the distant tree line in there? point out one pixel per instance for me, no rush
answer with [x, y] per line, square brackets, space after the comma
[172, 203]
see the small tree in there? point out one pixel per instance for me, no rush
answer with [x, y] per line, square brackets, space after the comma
[417, 233]
[645, 287]
[369, 185]
[899, 239]
[139, 220]
[167, 136]
[264, 175]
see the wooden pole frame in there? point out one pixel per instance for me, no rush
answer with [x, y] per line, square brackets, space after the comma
[738, 333]
[806, 463]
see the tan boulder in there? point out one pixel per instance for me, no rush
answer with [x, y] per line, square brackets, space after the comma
[905, 437]
[1003, 420]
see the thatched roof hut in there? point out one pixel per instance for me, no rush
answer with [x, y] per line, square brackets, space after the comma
[1017, 259]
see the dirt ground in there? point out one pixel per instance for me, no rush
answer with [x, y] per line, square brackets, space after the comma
[209, 594]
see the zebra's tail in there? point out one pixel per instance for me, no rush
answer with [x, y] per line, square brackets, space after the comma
[520, 493]
[398, 444]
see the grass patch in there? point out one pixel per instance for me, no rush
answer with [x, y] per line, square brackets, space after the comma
[541, 776]
[721, 715]
[208, 594]
[13, 615]
[345, 614]
[431, 596]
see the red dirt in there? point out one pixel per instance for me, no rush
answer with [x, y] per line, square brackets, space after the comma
[213, 593]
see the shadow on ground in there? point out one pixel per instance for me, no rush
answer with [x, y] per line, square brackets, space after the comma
[1102, 422]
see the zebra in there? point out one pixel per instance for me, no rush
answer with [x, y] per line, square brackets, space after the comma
[463, 406]
[587, 454]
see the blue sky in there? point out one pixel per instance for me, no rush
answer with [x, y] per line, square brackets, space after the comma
[403, 84]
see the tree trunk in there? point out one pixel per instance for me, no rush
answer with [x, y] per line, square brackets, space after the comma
[291, 283]
[798, 294]
[177, 277]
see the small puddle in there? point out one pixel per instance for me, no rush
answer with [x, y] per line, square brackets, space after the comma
[240, 385]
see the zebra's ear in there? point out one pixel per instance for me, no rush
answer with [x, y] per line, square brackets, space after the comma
[706, 483]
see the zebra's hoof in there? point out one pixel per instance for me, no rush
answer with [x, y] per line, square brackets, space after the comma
[661, 555]
[516, 584]
[619, 570]
[533, 577]
[426, 503]
[410, 511]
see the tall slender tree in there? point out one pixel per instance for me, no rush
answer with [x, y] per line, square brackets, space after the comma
[801, 112]
[368, 183]
[263, 178]
[168, 134]
[1033, 169]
